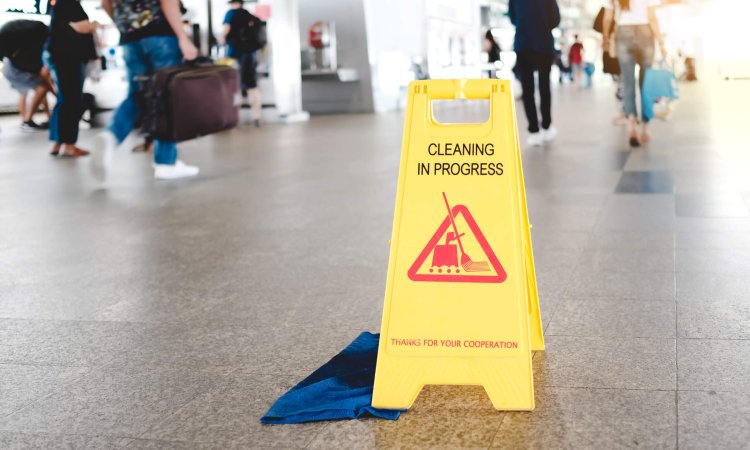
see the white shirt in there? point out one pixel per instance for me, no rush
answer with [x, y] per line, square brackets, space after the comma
[636, 15]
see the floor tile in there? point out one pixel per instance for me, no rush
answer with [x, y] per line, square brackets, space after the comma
[706, 240]
[712, 286]
[627, 260]
[639, 162]
[418, 430]
[711, 224]
[613, 318]
[713, 319]
[592, 284]
[628, 212]
[113, 402]
[592, 418]
[23, 441]
[564, 217]
[171, 315]
[230, 413]
[22, 384]
[646, 182]
[558, 240]
[717, 365]
[711, 205]
[619, 363]
[150, 444]
[631, 240]
[713, 420]
[733, 261]
[72, 343]
[452, 398]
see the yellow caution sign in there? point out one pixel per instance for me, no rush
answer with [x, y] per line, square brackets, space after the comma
[461, 303]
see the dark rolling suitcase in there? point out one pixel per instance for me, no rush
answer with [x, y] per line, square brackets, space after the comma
[185, 102]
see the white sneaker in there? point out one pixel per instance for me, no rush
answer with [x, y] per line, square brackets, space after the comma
[549, 134]
[535, 140]
[174, 171]
[105, 144]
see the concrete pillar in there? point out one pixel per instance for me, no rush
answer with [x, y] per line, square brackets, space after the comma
[284, 41]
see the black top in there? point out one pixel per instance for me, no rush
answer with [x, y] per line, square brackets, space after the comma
[494, 53]
[22, 41]
[138, 19]
[534, 21]
[64, 42]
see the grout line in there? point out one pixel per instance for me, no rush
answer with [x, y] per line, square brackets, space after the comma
[499, 427]
[600, 388]
[64, 382]
[165, 419]
[676, 356]
[602, 336]
[325, 426]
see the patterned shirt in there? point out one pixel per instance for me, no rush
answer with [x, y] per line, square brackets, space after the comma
[138, 19]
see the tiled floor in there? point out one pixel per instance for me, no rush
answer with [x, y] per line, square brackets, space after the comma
[170, 315]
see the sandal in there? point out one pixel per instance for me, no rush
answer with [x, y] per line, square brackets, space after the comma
[55, 150]
[77, 153]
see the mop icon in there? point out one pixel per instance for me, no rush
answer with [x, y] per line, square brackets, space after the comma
[447, 254]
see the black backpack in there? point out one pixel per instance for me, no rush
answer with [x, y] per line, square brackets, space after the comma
[246, 31]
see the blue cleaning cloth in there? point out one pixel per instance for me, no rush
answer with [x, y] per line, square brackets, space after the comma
[341, 389]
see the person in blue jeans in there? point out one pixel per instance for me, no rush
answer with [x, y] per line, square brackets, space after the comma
[637, 29]
[152, 38]
[70, 45]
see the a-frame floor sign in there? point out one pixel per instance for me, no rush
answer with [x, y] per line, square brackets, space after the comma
[461, 303]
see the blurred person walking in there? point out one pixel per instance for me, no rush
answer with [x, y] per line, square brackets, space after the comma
[492, 48]
[70, 46]
[534, 45]
[152, 37]
[21, 46]
[575, 59]
[637, 28]
[244, 36]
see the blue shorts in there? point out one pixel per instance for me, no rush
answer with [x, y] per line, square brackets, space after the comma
[20, 80]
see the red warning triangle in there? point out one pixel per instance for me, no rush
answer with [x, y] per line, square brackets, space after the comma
[448, 265]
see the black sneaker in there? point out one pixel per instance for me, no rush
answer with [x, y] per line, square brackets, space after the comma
[30, 125]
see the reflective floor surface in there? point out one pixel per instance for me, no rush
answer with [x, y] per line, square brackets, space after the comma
[172, 314]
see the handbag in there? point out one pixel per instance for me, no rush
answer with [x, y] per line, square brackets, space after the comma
[659, 84]
[599, 21]
[611, 64]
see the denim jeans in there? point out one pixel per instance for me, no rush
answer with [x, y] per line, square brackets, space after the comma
[635, 45]
[69, 76]
[142, 57]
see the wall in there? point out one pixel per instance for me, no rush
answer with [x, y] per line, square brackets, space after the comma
[351, 34]
[443, 36]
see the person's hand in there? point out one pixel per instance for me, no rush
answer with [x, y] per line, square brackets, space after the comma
[188, 49]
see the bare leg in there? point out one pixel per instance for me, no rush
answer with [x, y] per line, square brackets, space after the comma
[22, 108]
[255, 102]
[633, 135]
[47, 80]
[645, 137]
[45, 107]
[40, 93]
